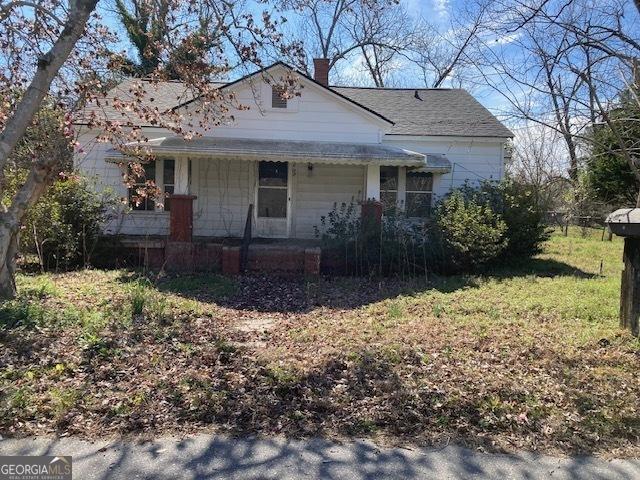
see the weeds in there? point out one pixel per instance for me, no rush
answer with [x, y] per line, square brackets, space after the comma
[395, 311]
[39, 287]
[62, 401]
[139, 295]
[528, 356]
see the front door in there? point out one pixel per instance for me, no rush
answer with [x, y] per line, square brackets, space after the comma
[273, 200]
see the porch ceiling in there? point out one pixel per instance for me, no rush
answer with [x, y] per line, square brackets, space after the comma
[281, 151]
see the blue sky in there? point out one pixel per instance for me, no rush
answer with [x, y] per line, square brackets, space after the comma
[434, 11]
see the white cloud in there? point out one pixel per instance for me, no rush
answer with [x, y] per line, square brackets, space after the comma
[441, 7]
[428, 8]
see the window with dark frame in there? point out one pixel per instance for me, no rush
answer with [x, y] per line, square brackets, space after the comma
[145, 203]
[168, 179]
[277, 98]
[419, 194]
[389, 188]
[273, 189]
[150, 174]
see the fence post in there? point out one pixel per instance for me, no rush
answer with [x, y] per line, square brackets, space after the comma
[626, 223]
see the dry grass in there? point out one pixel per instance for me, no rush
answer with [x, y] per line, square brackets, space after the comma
[529, 356]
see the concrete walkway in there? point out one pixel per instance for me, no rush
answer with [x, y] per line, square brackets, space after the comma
[220, 457]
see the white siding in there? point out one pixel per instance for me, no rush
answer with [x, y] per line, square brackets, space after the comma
[108, 177]
[224, 188]
[472, 160]
[315, 115]
[317, 191]
[139, 223]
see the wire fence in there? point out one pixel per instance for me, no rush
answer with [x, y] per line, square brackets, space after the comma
[564, 220]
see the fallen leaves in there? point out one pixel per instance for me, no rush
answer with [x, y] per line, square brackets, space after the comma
[333, 357]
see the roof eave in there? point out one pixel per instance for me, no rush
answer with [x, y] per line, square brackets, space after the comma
[326, 88]
[117, 157]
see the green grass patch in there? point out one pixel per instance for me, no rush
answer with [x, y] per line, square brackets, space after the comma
[528, 354]
[215, 286]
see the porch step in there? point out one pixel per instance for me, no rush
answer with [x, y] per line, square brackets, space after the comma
[203, 256]
[291, 259]
[271, 258]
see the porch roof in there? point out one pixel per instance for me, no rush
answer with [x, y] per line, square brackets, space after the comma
[281, 151]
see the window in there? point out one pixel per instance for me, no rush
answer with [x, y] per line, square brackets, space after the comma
[389, 188]
[419, 193]
[145, 203]
[168, 179]
[277, 98]
[162, 172]
[272, 189]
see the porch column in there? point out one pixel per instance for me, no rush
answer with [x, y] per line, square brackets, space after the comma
[181, 176]
[181, 212]
[373, 183]
[372, 208]
[402, 188]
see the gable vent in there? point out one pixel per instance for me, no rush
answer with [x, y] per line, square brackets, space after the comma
[277, 101]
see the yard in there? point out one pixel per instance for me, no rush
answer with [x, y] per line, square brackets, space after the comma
[526, 357]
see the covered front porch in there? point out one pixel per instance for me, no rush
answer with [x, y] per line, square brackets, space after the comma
[270, 189]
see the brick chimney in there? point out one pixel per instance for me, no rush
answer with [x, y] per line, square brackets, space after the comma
[321, 71]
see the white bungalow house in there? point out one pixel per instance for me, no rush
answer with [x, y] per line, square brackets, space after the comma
[295, 159]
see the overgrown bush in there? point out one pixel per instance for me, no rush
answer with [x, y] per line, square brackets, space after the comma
[471, 228]
[357, 247]
[517, 204]
[63, 227]
[471, 231]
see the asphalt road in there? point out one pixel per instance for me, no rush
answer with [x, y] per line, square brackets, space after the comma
[219, 457]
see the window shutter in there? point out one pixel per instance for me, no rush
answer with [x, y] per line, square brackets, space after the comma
[276, 98]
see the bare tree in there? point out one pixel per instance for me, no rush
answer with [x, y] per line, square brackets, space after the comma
[337, 29]
[555, 60]
[384, 34]
[439, 51]
[539, 160]
[74, 58]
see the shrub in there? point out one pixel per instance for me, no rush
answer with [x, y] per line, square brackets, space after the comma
[398, 246]
[524, 218]
[517, 204]
[473, 234]
[472, 227]
[63, 227]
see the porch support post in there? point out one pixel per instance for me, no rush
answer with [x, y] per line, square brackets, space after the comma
[373, 183]
[371, 213]
[402, 188]
[181, 213]
[182, 176]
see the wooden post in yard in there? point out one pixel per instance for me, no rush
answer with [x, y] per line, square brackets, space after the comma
[626, 223]
[630, 293]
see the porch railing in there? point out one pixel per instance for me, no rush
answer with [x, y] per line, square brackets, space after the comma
[246, 239]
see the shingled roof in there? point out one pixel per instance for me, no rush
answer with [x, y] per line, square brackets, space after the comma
[162, 96]
[436, 111]
[433, 112]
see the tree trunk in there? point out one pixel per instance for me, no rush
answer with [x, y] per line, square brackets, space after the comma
[8, 241]
[573, 159]
[40, 177]
[43, 172]
[48, 67]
